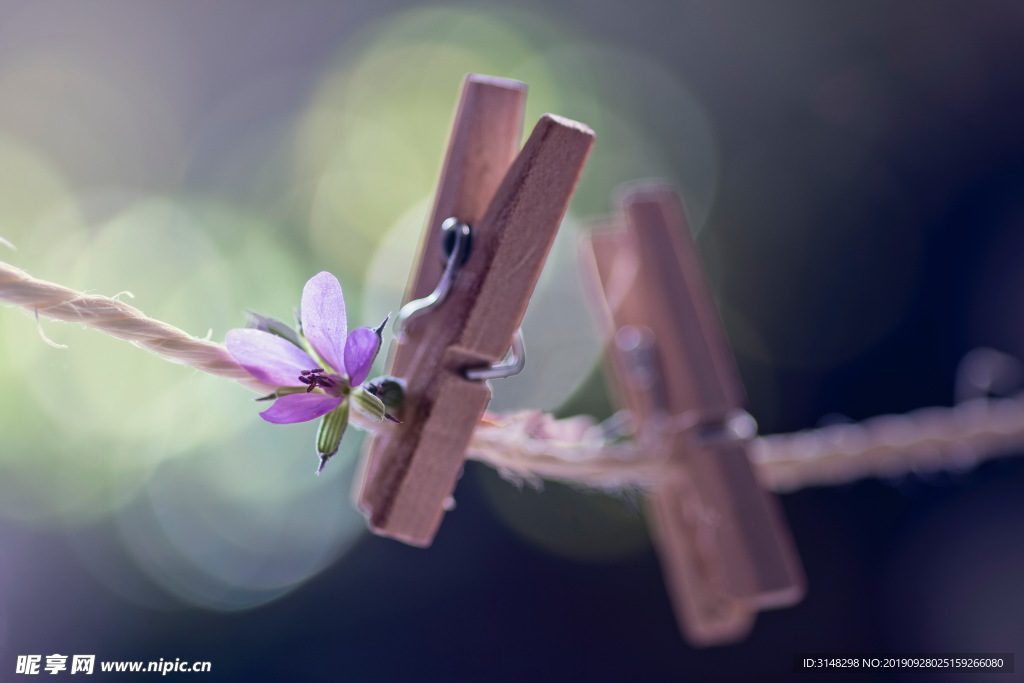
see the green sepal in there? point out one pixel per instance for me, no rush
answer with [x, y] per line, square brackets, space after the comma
[281, 391]
[368, 404]
[273, 326]
[328, 436]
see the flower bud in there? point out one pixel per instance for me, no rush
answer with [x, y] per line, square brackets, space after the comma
[368, 404]
[389, 390]
[328, 436]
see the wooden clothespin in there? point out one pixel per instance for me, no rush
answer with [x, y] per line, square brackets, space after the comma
[723, 545]
[465, 304]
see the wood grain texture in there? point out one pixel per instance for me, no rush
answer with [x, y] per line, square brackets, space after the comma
[703, 373]
[708, 613]
[413, 467]
[746, 530]
[739, 557]
[485, 138]
[755, 552]
[484, 141]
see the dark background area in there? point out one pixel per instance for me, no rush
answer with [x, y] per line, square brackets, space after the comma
[866, 232]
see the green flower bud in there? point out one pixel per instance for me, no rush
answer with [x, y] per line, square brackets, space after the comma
[389, 390]
[368, 404]
[328, 437]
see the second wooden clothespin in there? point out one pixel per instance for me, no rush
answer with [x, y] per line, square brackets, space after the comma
[723, 546]
[495, 217]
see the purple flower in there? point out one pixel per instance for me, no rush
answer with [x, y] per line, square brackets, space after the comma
[323, 359]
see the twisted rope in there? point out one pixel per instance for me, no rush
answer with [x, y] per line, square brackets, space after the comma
[532, 445]
[120, 320]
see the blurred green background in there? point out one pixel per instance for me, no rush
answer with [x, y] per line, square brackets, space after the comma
[126, 169]
[853, 172]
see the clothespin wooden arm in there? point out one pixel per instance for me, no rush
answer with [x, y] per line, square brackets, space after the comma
[483, 143]
[707, 612]
[719, 533]
[485, 139]
[524, 218]
[702, 387]
[411, 469]
[699, 373]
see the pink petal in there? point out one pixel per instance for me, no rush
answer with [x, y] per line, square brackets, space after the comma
[323, 318]
[300, 408]
[360, 349]
[267, 357]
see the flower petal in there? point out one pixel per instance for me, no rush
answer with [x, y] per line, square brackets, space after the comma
[323, 318]
[300, 408]
[360, 349]
[267, 357]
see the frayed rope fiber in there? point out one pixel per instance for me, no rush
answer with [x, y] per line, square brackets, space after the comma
[118, 319]
[530, 445]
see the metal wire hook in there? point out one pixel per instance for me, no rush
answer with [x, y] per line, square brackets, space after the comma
[512, 364]
[638, 349]
[456, 239]
[455, 236]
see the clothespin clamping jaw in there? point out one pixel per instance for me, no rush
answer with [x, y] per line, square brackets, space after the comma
[723, 545]
[495, 216]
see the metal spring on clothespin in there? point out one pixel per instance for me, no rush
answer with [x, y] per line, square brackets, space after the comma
[457, 239]
[514, 200]
[724, 549]
[638, 349]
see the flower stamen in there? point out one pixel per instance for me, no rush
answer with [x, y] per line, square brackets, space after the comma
[315, 378]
